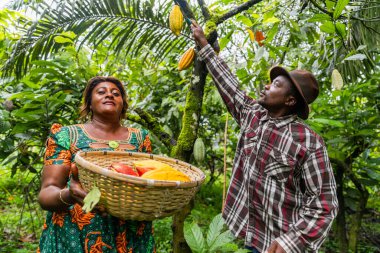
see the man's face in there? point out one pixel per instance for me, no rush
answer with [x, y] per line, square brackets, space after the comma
[275, 95]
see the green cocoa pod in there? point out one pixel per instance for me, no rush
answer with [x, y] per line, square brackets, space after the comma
[199, 150]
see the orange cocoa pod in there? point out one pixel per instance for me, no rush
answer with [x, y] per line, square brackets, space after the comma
[259, 37]
[167, 175]
[186, 59]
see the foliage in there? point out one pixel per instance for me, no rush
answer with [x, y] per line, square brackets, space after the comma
[48, 61]
[20, 220]
[88, 22]
[217, 240]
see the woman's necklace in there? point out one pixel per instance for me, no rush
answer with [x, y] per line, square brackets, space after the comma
[112, 144]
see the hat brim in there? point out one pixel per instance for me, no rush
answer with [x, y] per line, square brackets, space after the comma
[303, 107]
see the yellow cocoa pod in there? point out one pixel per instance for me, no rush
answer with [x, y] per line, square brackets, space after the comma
[176, 20]
[152, 164]
[167, 175]
[251, 34]
[186, 59]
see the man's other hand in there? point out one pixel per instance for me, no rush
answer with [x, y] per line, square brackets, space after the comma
[275, 248]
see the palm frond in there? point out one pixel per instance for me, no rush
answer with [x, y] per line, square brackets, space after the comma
[129, 25]
[365, 33]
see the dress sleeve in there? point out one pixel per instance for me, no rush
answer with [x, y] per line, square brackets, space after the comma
[146, 145]
[58, 146]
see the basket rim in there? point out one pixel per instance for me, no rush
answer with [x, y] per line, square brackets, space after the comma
[79, 159]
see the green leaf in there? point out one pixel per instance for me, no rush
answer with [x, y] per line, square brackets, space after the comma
[330, 5]
[224, 41]
[246, 21]
[222, 239]
[61, 40]
[328, 27]
[242, 251]
[4, 126]
[340, 5]
[336, 79]
[194, 238]
[356, 57]
[215, 228]
[295, 26]
[341, 29]
[91, 199]
[319, 17]
[69, 34]
[229, 247]
[330, 122]
[373, 174]
[271, 20]
[272, 32]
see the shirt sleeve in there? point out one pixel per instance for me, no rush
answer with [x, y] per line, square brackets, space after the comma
[227, 84]
[320, 206]
[58, 146]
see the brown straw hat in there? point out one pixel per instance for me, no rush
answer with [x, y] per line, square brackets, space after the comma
[305, 83]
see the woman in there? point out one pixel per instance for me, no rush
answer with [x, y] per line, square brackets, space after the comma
[67, 227]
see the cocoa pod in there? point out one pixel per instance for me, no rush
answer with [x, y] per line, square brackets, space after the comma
[199, 151]
[186, 59]
[176, 20]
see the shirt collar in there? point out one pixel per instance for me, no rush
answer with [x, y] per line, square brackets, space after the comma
[281, 121]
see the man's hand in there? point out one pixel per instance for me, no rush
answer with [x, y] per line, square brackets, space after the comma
[77, 192]
[275, 248]
[198, 34]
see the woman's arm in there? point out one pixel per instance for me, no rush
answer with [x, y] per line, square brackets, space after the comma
[54, 196]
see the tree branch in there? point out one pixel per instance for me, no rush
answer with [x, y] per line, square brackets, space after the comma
[185, 8]
[331, 14]
[204, 9]
[290, 36]
[151, 123]
[243, 7]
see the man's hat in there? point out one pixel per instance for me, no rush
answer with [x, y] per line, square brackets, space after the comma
[305, 83]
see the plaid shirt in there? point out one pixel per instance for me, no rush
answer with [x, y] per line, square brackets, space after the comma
[282, 186]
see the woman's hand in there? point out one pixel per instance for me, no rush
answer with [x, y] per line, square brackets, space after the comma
[198, 34]
[77, 193]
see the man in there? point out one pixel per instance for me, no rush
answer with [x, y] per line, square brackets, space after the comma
[282, 195]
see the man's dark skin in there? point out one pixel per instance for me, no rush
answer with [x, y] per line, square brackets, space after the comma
[276, 97]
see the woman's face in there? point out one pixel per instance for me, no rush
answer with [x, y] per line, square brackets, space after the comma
[106, 99]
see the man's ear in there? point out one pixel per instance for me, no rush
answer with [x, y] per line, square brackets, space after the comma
[290, 101]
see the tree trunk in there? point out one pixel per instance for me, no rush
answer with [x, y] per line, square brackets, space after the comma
[185, 143]
[192, 113]
[357, 221]
[341, 232]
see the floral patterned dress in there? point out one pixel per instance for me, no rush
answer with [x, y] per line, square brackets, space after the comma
[74, 231]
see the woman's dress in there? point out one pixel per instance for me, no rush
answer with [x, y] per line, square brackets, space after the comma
[75, 231]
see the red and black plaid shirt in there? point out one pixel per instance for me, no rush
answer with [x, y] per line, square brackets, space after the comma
[282, 186]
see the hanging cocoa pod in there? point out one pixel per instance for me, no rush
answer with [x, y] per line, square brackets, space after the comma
[176, 20]
[199, 151]
[186, 59]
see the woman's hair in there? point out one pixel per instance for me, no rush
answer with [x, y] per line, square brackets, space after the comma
[85, 109]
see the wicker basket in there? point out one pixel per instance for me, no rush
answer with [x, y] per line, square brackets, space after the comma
[134, 198]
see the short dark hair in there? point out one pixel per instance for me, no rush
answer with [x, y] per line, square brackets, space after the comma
[85, 109]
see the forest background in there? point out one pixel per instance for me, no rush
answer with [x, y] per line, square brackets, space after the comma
[49, 49]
